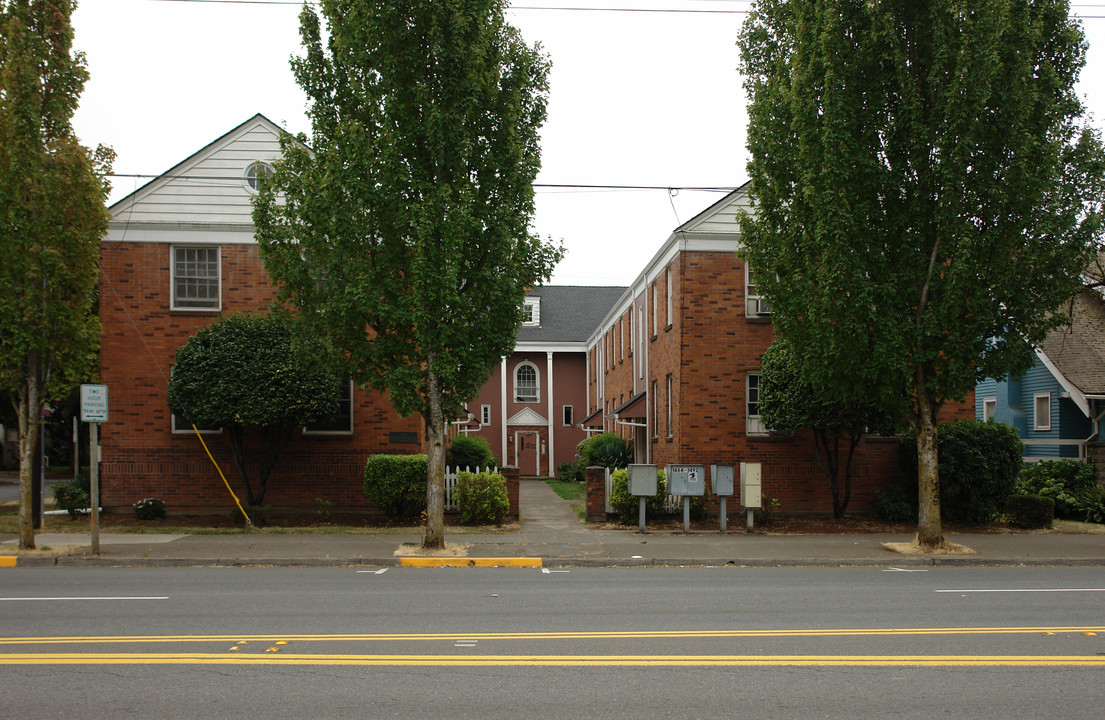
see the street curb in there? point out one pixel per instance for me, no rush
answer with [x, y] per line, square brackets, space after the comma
[552, 562]
[427, 562]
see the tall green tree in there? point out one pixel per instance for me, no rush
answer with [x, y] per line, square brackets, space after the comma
[403, 233]
[788, 402]
[52, 216]
[924, 194]
[251, 374]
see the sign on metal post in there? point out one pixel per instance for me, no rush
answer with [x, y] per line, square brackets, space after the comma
[93, 403]
[94, 412]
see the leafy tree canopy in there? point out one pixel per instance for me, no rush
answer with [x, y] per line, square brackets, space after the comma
[925, 193]
[403, 233]
[251, 372]
[52, 216]
[789, 402]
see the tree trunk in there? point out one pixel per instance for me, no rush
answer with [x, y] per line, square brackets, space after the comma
[930, 535]
[434, 537]
[29, 410]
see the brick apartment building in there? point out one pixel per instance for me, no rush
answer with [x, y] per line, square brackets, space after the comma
[674, 367]
[179, 252]
[671, 362]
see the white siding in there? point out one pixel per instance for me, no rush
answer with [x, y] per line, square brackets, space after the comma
[721, 218]
[208, 187]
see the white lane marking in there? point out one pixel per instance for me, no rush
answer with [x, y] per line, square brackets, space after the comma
[894, 569]
[1026, 590]
[381, 571]
[465, 643]
[548, 571]
[87, 597]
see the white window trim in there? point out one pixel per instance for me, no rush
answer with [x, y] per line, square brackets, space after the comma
[655, 309]
[671, 429]
[567, 415]
[485, 414]
[536, 380]
[669, 294]
[754, 424]
[217, 307]
[1036, 424]
[349, 431]
[533, 305]
[755, 305]
[989, 408]
[187, 429]
[246, 174]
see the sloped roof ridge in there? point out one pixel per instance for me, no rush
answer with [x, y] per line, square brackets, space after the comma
[174, 170]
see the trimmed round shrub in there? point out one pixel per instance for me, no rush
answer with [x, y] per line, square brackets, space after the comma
[1067, 482]
[470, 452]
[628, 506]
[1029, 511]
[396, 485]
[482, 499]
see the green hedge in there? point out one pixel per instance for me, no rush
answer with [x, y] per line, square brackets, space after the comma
[1070, 483]
[979, 464]
[470, 451]
[482, 499]
[396, 484]
[1029, 511]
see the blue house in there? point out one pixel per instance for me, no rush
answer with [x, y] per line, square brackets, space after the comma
[1058, 405]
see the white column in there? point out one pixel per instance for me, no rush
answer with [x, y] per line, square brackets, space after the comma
[502, 411]
[552, 429]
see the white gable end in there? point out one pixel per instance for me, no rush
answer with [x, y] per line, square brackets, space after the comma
[721, 217]
[526, 417]
[209, 187]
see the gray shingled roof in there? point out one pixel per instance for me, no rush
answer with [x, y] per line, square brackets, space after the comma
[1078, 349]
[569, 313]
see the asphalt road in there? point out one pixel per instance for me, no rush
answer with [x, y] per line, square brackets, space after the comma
[509, 643]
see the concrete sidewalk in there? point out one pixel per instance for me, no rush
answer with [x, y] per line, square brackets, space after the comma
[551, 534]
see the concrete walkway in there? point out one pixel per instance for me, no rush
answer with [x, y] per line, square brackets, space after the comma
[551, 532]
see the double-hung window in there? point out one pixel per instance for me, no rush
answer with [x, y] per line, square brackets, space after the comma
[195, 277]
[340, 422]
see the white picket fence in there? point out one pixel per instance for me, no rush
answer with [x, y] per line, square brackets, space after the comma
[451, 483]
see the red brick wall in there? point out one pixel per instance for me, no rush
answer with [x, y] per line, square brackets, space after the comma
[142, 457]
[709, 349]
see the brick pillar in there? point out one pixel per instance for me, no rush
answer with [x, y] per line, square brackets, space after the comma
[512, 475]
[595, 478]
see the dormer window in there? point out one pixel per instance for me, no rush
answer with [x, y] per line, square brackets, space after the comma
[531, 312]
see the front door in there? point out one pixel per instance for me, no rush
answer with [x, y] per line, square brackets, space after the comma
[527, 452]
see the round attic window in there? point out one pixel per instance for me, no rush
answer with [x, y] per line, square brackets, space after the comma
[256, 174]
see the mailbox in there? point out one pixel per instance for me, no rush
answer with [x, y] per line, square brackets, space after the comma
[750, 485]
[642, 480]
[686, 480]
[722, 478]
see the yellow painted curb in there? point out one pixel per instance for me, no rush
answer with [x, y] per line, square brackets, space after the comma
[7, 560]
[470, 562]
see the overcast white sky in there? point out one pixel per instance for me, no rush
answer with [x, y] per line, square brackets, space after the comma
[638, 98]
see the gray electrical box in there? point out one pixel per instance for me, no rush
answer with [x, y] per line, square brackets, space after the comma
[686, 479]
[750, 485]
[721, 476]
[642, 480]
